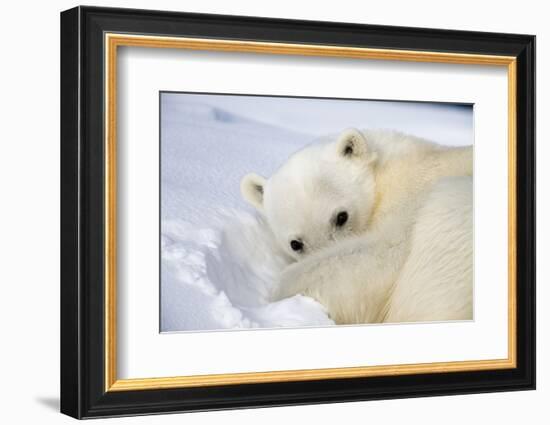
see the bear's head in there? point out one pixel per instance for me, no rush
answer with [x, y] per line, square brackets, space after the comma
[322, 193]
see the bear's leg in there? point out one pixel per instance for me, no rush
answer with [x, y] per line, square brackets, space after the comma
[436, 283]
[351, 278]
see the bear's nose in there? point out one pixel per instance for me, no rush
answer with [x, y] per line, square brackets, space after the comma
[296, 245]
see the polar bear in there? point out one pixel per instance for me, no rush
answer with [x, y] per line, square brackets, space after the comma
[378, 225]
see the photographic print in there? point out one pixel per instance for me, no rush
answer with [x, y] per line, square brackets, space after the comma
[302, 211]
[341, 189]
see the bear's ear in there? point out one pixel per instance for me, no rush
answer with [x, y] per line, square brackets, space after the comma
[352, 144]
[252, 190]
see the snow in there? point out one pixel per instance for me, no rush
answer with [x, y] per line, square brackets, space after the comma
[218, 259]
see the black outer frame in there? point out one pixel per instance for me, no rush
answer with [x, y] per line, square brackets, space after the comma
[82, 220]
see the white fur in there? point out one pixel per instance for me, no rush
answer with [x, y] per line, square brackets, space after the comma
[405, 253]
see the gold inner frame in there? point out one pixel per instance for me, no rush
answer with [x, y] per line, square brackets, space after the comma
[113, 41]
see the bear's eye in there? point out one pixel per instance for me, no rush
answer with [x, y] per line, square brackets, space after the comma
[341, 218]
[296, 245]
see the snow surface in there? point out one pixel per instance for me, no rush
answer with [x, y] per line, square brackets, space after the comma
[218, 261]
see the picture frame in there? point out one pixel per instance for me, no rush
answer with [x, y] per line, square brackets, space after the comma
[91, 38]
